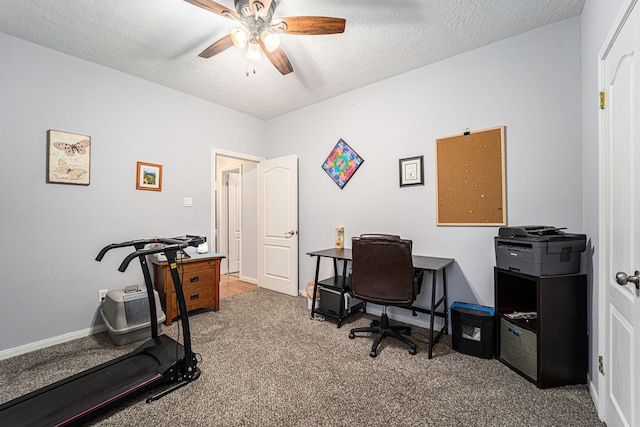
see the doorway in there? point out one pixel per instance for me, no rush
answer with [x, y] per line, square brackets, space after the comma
[261, 190]
[231, 285]
[231, 219]
[234, 219]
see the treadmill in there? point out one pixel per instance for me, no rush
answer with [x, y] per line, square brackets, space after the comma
[161, 360]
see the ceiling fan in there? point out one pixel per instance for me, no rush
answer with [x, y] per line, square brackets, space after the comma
[259, 30]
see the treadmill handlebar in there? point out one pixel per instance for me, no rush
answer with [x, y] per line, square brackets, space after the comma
[144, 252]
[139, 244]
[107, 248]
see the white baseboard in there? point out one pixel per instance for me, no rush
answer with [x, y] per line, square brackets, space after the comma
[593, 390]
[405, 316]
[28, 348]
[249, 280]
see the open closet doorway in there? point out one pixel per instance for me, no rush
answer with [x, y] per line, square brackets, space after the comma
[231, 219]
[234, 222]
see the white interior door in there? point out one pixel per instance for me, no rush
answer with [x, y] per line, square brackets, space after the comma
[620, 132]
[234, 205]
[278, 224]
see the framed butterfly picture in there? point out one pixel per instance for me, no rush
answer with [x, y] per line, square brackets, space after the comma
[149, 176]
[69, 158]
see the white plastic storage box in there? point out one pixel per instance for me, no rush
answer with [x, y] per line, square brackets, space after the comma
[126, 314]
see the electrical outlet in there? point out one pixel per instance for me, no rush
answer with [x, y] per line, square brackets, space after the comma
[102, 294]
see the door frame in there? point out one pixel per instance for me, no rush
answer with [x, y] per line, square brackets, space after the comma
[214, 242]
[602, 278]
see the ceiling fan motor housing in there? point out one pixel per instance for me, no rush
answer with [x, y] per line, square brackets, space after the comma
[243, 7]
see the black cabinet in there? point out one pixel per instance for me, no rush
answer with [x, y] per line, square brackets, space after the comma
[336, 301]
[550, 349]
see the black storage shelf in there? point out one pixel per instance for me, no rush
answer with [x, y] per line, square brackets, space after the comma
[336, 283]
[341, 285]
[340, 317]
[552, 349]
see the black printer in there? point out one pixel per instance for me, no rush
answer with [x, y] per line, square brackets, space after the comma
[539, 250]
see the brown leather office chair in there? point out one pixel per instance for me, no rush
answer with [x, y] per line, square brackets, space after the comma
[382, 273]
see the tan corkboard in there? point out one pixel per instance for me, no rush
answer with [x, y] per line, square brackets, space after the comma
[471, 178]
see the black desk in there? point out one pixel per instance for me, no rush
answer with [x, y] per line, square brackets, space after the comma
[422, 263]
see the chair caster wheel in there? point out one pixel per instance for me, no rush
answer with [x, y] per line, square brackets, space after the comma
[412, 351]
[351, 335]
[373, 354]
[407, 332]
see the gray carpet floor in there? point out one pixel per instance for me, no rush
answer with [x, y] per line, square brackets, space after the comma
[265, 363]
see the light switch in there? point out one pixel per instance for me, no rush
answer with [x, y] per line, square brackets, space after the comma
[187, 201]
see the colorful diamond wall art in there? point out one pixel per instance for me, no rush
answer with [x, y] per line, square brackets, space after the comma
[342, 163]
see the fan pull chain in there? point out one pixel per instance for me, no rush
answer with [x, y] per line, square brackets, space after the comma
[249, 63]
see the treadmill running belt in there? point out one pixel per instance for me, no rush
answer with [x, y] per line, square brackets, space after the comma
[86, 394]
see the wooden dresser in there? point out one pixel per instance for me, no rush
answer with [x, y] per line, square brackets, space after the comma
[200, 277]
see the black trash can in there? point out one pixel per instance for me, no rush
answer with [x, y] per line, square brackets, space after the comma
[473, 329]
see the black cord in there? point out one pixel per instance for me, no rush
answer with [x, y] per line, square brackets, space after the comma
[426, 338]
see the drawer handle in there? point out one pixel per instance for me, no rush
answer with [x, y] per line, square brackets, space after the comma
[194, 296]
[194, 279]
[516, 333]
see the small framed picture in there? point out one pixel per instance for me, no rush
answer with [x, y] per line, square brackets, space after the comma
[411, 171]
[69, 158]
[149, 177]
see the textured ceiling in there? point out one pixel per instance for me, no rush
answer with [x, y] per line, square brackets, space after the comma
[159, 41]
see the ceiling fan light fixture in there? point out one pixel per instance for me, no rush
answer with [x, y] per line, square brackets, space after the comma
[271, 41]
[239, 37]
[253, 52]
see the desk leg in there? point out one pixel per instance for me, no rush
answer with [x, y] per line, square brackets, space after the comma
[315, 289]
[434, 281]
[446, 305]
[344, 271]
[445, 310]
[341, 311]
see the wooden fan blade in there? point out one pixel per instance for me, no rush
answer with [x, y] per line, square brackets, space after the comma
[313, 25]
[214, 7]
[279, 59]
[219, 46]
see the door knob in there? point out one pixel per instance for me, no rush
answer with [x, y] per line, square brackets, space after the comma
[622, 278]
[291, 233]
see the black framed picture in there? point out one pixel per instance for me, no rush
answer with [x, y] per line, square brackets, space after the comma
[412, 171]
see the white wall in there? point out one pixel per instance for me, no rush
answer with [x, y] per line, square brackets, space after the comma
[529, 83]
[597, 19]
[51, 232]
